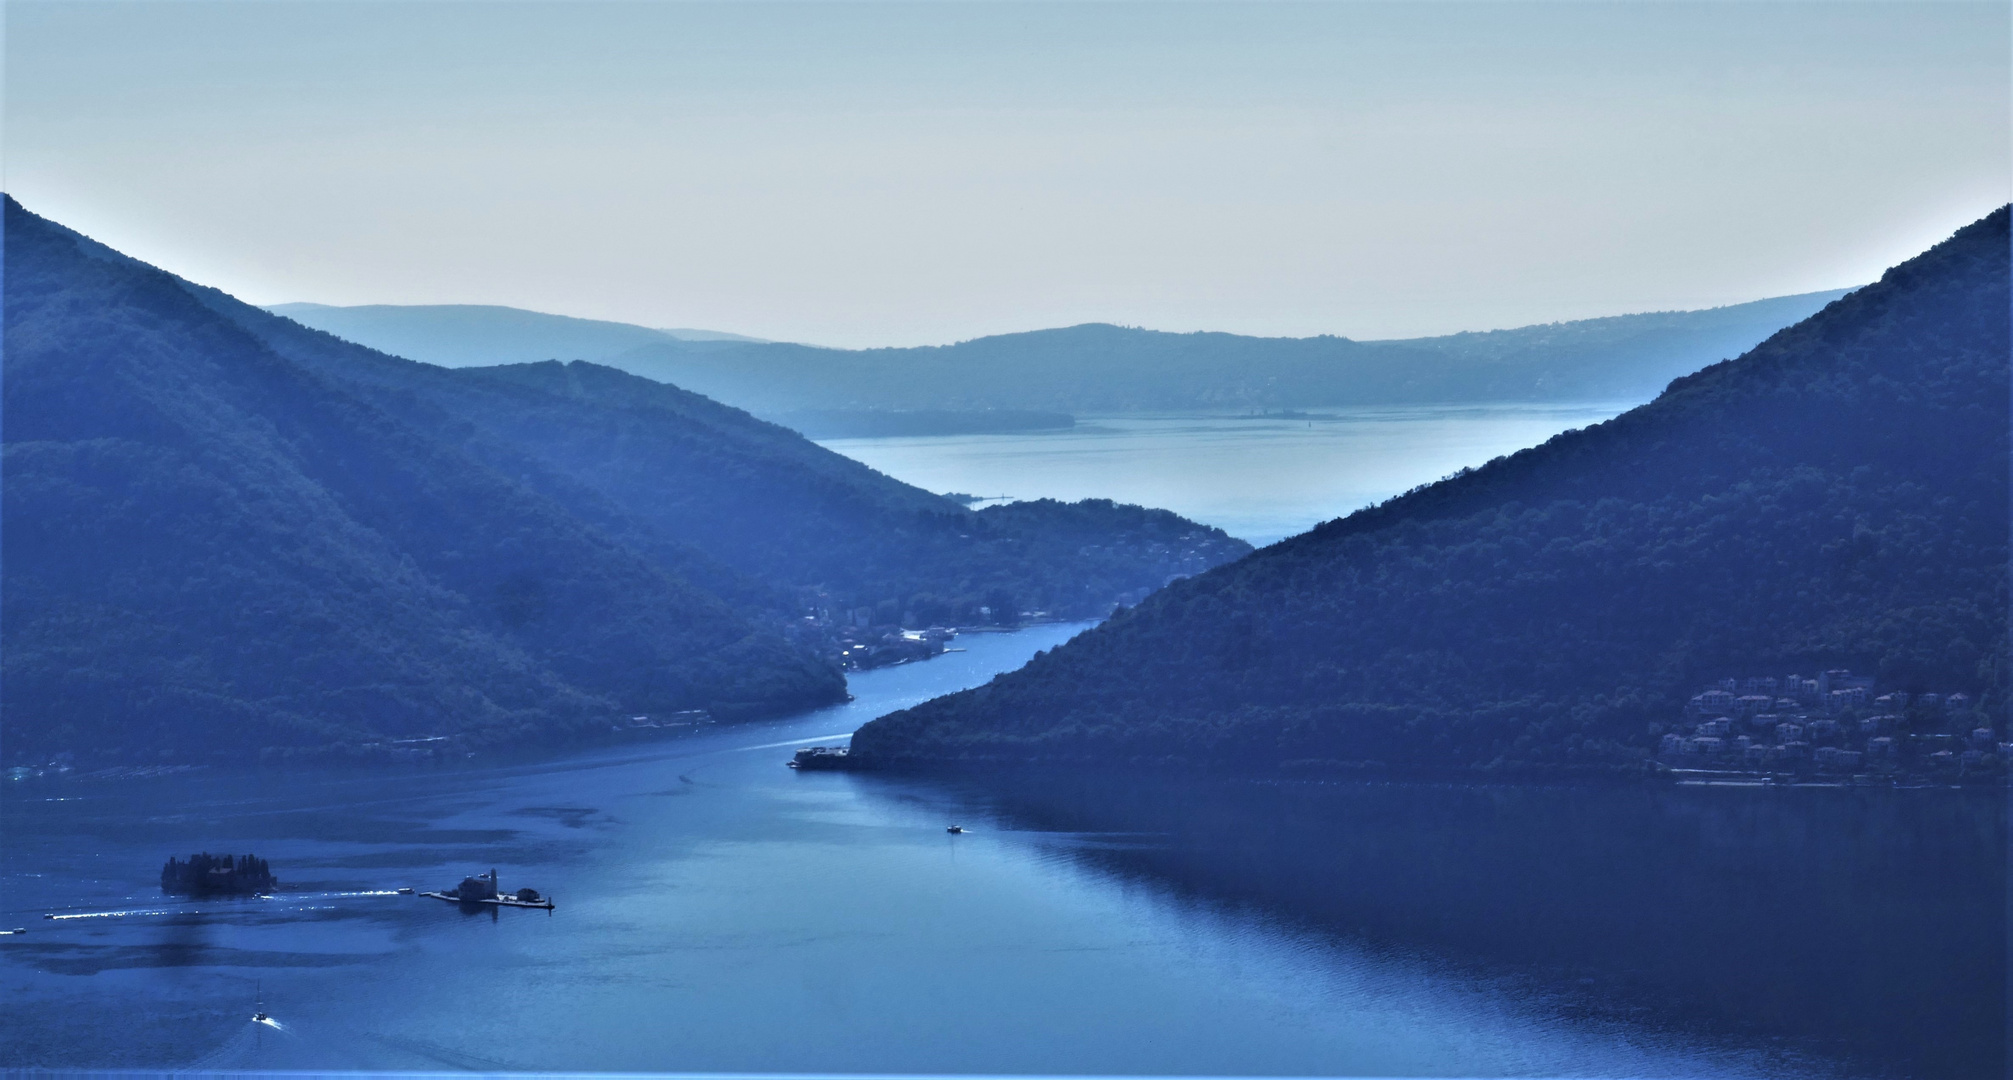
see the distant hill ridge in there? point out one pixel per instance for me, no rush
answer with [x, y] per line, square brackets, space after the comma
[1837, 497]
[472, 335]
[1100, 368]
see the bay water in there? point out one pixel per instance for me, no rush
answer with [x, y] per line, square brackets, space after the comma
[1258, 478]
[719, 912]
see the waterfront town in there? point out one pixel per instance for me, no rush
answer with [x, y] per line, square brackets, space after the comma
[1835, 725]
[863, 648]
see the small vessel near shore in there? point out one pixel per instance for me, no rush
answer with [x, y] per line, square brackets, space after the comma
[482, 889]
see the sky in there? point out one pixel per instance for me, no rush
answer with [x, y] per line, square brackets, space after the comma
[899, 174]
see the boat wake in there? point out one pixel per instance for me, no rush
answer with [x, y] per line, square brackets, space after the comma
[246, 1049]
[119, 914]
[236, 908]
[797, 742]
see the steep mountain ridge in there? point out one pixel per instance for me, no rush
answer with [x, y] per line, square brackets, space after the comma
[208, 547]
[1837, 497]
[715, 492]
[226, 532]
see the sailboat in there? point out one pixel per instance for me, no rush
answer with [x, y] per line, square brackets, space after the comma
[259, 1016]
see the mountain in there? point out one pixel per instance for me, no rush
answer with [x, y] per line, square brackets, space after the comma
[1619, 358]
[207, 547]
[1110, 369]
[1032, 381]
[1835, 498]
[226, 533]
[470, 335]
[676, 475]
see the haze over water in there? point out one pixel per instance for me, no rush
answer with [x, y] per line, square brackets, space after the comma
[869, 175]
[1258, 478]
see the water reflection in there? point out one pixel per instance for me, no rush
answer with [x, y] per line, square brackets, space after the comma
[719, 912]
[1857, 925]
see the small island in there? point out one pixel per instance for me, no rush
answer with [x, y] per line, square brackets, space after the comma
[214, 875]
[483, 889]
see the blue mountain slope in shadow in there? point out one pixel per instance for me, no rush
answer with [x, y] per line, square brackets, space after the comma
[227, 534]
[1837, 497]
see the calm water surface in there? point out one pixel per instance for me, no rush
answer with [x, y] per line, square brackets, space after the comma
[718, 912]
[1262, 479]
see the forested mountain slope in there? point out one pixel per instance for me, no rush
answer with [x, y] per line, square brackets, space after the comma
[208, 547]
[1835, 498]
[225, 531]
[674, 473]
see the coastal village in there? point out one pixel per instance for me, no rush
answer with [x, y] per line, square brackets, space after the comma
[863, 648]
[1835, 725]
[865, 637]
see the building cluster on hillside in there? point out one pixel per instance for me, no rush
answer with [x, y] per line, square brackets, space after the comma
[863, 648]
[1834, 723]
[685, 718]
[864, 637]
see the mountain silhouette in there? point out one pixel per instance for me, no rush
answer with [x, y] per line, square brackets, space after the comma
[1027, 381]
[226, 534]
[1835, 498]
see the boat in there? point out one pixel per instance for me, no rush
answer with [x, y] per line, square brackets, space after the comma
[955, 829]
[259, 1015]
[405, 890]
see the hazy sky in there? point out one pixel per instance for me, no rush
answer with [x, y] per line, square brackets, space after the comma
[916, 173]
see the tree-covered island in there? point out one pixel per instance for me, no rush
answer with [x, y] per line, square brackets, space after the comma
[205, 874]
